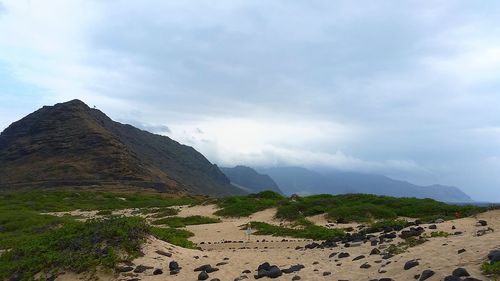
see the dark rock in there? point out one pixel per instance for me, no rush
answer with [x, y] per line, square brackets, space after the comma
[293, 268]
[326, 273]
[174, 271]
[460, 272]
[432, 226]
[296, 277]
[316, 262]
[482, 222]
[141, 268]
[386, 279]
[264, 266]
[494, 256]
[461, 251]
[274, 272]
[410, 264]
[207, 268]
[358, 258]
[203, 276]
[365, 265]
[332, 254]
[375, 251]
[343, 255]
[453, 227]
[221, 263]
[157, 271]
[426, 274]
[215, 279]
[124, 269]
[173, 265]
[452, 278]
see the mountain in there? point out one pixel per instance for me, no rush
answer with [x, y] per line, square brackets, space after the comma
[71, 144]
[249, 180]
[303, 181]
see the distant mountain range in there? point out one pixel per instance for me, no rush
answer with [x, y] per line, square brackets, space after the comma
[249, 180]
[303, 181]
[71, 144]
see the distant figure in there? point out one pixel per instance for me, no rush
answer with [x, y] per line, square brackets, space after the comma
[94, 107]
[248, 231]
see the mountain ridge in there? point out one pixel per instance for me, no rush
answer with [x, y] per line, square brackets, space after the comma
[250, 179]
[304, 181]
[72, 144]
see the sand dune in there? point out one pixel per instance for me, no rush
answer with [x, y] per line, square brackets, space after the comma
[439, 254]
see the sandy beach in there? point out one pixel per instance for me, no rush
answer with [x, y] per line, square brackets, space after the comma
[225, 246]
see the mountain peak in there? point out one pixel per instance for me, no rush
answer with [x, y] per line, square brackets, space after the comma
[70, 144]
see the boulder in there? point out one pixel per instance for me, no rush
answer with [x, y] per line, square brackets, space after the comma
[410, 264]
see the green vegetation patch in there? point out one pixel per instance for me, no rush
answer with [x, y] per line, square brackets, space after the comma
[183, 221]
[365, 208]
[174, 236]
[75, 246]
[243, 206]
[401, 247]
[104, 213]
[309, 231]
[491, 269]
[62, 201]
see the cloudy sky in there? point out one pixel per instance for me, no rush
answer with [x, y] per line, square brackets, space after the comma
[409, 89]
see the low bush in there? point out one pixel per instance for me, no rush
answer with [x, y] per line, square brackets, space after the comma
[309, 231]
[183, 221]
[75, 246]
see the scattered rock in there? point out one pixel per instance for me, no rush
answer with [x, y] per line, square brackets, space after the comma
[124, 269]
[343, 255]
[296, 277]
[375, 251]
[460, 272]
[358, 258]
[482, 222]
[452, 278]
[365, 265]
[326, 273]
[157, 271]
[461, 251]
[494, 256]
[426, 274]
[410, 264]
[432, 226]
[141, 268]
[203, 276]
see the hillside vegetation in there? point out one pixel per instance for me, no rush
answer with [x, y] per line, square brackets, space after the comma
[348, 207]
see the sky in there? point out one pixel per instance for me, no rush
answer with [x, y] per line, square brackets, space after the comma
[407, 89]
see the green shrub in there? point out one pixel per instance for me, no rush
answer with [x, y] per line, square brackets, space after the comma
[310, 231]
[493, 269]
[183, 221]
[77, 247]
[242, 206]
[174, 236]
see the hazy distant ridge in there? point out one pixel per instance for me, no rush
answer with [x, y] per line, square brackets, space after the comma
[303, 181]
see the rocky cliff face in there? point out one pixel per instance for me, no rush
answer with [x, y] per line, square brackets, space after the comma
[70, 144]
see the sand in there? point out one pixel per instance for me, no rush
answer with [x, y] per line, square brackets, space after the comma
[439, 254]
